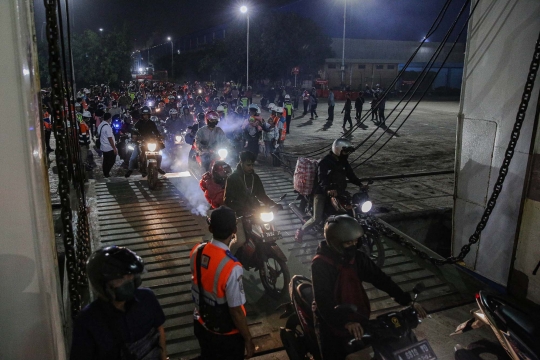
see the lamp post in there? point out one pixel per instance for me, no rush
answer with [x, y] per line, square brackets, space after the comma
[172, 56]
[343, 52]
[244, 10]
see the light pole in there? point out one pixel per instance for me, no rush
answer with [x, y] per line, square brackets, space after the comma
[172, 56]
[343, 53]
[244, 10]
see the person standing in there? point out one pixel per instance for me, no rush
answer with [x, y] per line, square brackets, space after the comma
[289, 108]
[382, 105]
[347, 109]
[47, 126]
[107, 145]
[331, 105]
[220, 317]
[313, 104]
[374, 111]
[358, 105]
[305, 99]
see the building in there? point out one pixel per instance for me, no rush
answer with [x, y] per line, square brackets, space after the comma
[375, 62]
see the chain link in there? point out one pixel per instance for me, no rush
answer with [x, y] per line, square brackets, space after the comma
[475, 237]
[62, 159]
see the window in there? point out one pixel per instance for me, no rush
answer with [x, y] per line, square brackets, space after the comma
[379, 67]
[331, 66]
[390, 67]
[361, 66]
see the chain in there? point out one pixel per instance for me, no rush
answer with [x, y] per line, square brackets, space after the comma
[475, 237]
[61, 152]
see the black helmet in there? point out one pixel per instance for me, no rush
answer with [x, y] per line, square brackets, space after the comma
[200, 117]
[110, 263]
[146, 110]
[340, 229]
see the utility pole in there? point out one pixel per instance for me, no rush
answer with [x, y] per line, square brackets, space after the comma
[343, 52]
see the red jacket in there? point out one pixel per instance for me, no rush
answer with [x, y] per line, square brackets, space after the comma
[212, 192]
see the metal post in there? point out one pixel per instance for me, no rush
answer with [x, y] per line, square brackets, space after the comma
[343, 52]
[247, 56]
[172, 59]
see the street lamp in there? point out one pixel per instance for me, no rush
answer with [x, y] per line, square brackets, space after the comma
[101, 29]
[244, 10]
[172, 56]
[343, 53]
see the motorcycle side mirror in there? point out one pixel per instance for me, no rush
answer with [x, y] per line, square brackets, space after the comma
[345, 309]
[208, 220]
[420, 287]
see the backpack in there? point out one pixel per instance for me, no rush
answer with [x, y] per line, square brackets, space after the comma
[98, 139]
[304, 175]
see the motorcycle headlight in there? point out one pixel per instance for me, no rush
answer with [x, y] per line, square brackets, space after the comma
[366, 206]
[267, 217]
[152, 146]
[130, 147]
[223, 153]
[158, 109]
[150, 103]
[178, 138]
[160, 152]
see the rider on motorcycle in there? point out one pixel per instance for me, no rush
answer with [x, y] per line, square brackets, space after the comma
[213, 183]
[186, 119]
[143, 128]
[210, 138]
[338, 271]
[244, 193]
[332, 174]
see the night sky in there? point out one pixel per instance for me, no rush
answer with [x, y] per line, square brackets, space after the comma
[157, 19]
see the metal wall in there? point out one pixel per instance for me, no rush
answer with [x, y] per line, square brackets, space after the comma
[501, 38]
[30, 306]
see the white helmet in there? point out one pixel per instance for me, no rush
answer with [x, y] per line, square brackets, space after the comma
[342, 145]
[77, 104]
[220, 108]
[86, 114]
[255, 107]
[173, 112]
[279, 110]
[154, 118]
[287, 97]
[271, 107]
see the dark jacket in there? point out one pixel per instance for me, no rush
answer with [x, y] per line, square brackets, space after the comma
[325, 277]
[243, 192]
[145, 128]
[332, 174]
[359, 102]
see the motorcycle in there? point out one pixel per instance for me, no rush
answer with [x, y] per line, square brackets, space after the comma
[393, 329]
[358, 206]
[149, 154]
[517, 330]
[199, 163]
[262, 253]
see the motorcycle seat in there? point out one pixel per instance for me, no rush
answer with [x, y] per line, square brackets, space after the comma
[306, 293]
[525, 326]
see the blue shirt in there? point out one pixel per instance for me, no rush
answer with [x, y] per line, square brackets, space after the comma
[93, 337]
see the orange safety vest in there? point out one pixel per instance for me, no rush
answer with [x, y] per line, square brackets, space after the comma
[283, 132]
[216, 267]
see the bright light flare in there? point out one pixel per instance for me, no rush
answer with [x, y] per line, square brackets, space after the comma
[152, 146]
[366, 206]
[169, 38]
[267, 217]
[243, 9]
[223, 153]
[178, 138]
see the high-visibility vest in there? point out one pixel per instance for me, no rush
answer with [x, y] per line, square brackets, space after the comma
[216, 267]
[244, 101]
[289, 108]
[283, 132]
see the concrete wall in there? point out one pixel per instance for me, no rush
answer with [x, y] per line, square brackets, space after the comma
[502, 35]
[359, 73]
[30, 306]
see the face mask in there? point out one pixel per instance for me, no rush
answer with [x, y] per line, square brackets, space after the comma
[349, 253]
[125, 292]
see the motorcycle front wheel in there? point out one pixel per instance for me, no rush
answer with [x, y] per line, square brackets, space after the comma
[152, 176]
[372, 245]
[291, 339]
[275, 277]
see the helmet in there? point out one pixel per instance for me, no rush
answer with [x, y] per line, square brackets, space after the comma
[216, 99]
[201, 117]
[340, 229]
[271, 106]
[172, 97]
[278, 109]
[287, 97]
[220, 108]
[254, 107]
[154, 118]
[212, 118]
[173, 112]
[110, 263]
[86, 114]
[146, 110]
[77, 104]
[225, 105]
[220, 171]
[342, 145]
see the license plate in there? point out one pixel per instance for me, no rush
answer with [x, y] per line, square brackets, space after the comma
[419, 351]
[272, 236]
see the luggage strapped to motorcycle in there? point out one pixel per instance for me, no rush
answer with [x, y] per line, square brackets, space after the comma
[304, 175]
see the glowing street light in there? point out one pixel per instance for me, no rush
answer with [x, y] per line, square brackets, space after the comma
[244, 10]
[101, 29]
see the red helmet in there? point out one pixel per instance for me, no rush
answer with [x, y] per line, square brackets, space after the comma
[220, 172]
[212, 118]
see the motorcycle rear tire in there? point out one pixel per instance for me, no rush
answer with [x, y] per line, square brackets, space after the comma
[270, 288]
[152, 176]
[290, 341]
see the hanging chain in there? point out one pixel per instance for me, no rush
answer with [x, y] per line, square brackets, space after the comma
[61, 152]
[520, 118]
